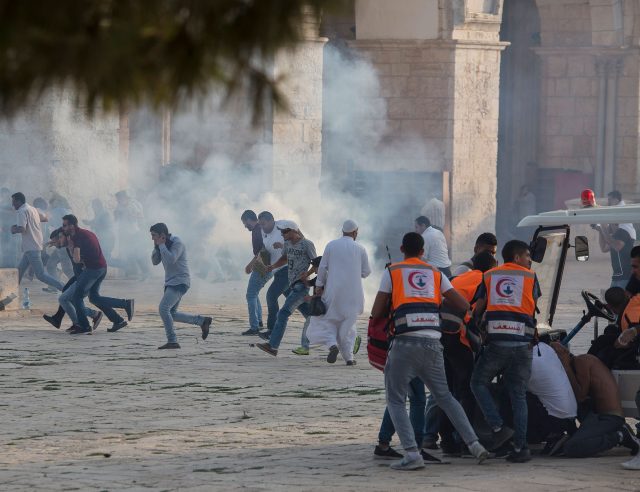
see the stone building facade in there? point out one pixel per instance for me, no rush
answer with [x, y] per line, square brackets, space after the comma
[497, 93]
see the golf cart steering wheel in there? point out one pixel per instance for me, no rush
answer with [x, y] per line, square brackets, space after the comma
[596, 307]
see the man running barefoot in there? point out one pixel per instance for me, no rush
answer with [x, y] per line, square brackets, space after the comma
[171, 252]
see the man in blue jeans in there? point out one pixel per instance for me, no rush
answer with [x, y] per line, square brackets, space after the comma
[171, 252]
[507, 303]
[257, 279]
[28, 226]
[85, 249]
[297, 255]
[273, 244]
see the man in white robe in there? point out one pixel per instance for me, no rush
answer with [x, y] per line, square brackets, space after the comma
[343, 266]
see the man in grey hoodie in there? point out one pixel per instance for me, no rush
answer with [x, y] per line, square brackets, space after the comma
[171, 252]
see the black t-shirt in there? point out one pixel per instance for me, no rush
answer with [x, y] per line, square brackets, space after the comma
[621, 260]
[633, 287]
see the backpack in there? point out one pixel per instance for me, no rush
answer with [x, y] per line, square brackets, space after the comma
[378, 341]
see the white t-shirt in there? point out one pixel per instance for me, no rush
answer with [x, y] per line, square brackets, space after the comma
[269, 239]
[435, 248]
[550, 383]
[385, 286]
[29, 219]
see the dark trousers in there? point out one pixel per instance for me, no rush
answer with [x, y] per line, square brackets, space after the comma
[597, 433]
[541, 425]
[458, 365]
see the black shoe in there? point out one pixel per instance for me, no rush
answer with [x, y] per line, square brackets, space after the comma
[205, 327]
[96, 320]
[73, 329]
[333, 354]
[265, 335]
[351, 362]
[429, 443]
[51, 320]
[500, 437]
[554, 444]
[169, 345]
[265, 347]
[260, 325]
[386, 454]
[429, 459]
[129, 307]
[629, 440]
[521, 456]
[451, 450]
[250, 332]
[117, 326]
[79, 330]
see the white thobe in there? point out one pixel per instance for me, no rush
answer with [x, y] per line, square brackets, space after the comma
[343, 266]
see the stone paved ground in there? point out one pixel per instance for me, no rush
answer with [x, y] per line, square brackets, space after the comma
[110, 412]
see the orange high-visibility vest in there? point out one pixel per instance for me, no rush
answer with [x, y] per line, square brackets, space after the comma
[510, 303]
[416, 296]
[467, 284]
[631, 314]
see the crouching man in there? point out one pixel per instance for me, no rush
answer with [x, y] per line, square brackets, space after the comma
[170, 251]
[415, 290]
[604, 426]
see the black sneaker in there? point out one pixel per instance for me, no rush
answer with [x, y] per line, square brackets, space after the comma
[79, 330]
[386, 454]
[51, 320]
[260, 325]
[251, 332]
[351, 362]
[205, 327]
[521, 456]
[429, 459]
[554, 444]
[429, 443]
[117, 326]
[500, 437]
[265, 347]
[96, 320]
[129, 308]
[452, 450]
[169, 345]
[265, 335]
[628, 440]
[333, 354]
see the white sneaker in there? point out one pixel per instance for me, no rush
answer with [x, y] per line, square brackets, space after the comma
[633, 464]
[407, 463]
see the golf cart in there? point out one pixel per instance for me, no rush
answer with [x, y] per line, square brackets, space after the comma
[549, 248]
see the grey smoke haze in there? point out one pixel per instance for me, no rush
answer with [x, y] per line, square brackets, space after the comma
[203, 206]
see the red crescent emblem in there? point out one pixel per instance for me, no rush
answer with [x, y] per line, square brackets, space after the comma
[504, 287]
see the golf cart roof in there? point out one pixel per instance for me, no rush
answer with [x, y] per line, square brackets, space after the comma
[594, 215]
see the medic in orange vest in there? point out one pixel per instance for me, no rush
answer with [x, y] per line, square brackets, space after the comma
[468, 283]
[507, 297]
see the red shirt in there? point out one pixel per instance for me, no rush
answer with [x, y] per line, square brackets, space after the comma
[90, 251]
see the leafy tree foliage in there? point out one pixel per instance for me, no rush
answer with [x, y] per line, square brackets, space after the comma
[116, 53]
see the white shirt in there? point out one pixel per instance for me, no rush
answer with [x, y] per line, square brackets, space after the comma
[385, 286]
[435, 248]
[550, 383]
[269, 239]
[627, 227]
[29, 219]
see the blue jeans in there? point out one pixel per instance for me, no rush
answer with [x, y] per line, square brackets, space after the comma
[276, 289]
[169, 313]
[410, 357]
[622, 283]
[256, 283]
[295, 300]
[66, 302]
[34, 258]
[417, 402]
[516, 364]
[88, 283]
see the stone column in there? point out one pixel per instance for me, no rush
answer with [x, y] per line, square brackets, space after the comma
[297, 130]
